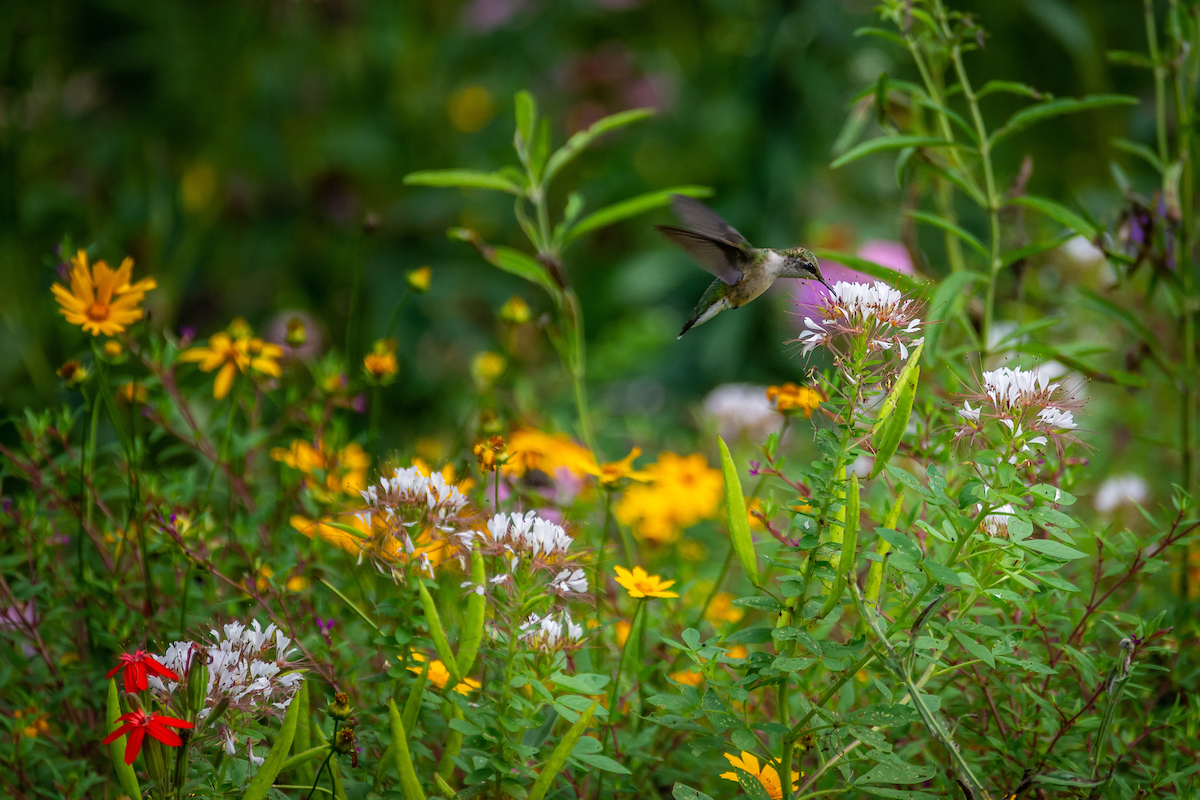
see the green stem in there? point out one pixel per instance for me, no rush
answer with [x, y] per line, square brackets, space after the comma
[395, 313]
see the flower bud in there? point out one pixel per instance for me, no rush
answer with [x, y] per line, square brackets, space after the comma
[197, 681]
[339, 707]
[344, 744]
[420, 279]
[297, 334]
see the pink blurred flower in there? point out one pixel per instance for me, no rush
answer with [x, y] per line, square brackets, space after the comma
[809, 294]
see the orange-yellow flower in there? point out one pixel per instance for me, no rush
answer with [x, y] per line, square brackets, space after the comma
[380, 363]
[128, 393]
[438, 674]
[233, 355]
[767, 775]
[531, 449]
[614, 472]
[641, 584]
[683, 490]
[790, 397]
[345, 470]
[722, 609]
[687, 677]
[101, 301]
[35, 724]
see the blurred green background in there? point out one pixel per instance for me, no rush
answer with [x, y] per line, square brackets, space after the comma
[234, 149]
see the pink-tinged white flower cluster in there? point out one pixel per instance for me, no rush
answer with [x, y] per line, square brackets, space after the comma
[1032, 409]
[248, 666]
[996, 523]
[880, 313]
[408, 503]
[528, 544]
[551, 633]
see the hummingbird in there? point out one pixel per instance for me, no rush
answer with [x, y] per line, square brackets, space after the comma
[743, 271]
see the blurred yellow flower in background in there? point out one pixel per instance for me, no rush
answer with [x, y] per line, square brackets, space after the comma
[129, 393]
[515, 310]
[683, 490]
[470, 108]
[438, 674]
[486, 367]
[34, 723]
[530, 449]
[113, 348]
[420, 279]
[102, 301]
[614, 472]
[380, 363]
[790, 397]
[722, 609]
[345, 470]
[687, 677]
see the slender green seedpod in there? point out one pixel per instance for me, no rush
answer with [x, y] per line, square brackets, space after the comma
[445, 767]
[849, 514]
[472, 630]
[412, 706]
[302, 742]
[893, 421]
[739, 523]
[558, 757]
[410, 787]
[835, 533]
[273, 764]
[882, 548]
[155, 757]
[438, 634]
[197, 682]
[125, 774]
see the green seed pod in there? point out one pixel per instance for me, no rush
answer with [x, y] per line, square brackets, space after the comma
[197, 682]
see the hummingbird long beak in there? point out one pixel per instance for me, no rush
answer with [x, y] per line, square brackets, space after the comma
[827, 286]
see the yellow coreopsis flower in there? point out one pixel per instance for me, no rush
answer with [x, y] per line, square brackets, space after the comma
[641, 584]
[614, 472]
[102, 301]
[722, 609]
[381, 363]
[233, 355]
[790, 397]
[438, 675]
[687, 677]
[531, 449]
[683, 490]
[768, 776]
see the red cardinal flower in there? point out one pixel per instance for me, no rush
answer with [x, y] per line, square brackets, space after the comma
[138, 723]
[136, 666]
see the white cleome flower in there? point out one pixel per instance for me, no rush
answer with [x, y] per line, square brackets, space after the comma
[1120, 490]
[570, 582]
[742, 410]
[882, 311]
[551, 632]
[528, 534]
[996, 523]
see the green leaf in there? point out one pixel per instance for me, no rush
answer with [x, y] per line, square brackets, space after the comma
[1052, 108]
[603, 762]
[942, 574]
[884, 143]
[880, 714]
[464, 179]
[1059, 213]
[302, 741]
[901, 542]
[1130, 59]
[1064, 778]
[438, 634]
[410, 787]
[880, 33]
[577, 143]
[526, 110]
[942, 307]
[681, 792]
[1021, 253]
[1139, 150]
[125, 774]
[906, 283]
[1053, 549]
[751, 785]
[951, 228]
[739, 523]
[896, 771]
[512, 261]
[1008, 87]
[558, 757]
[582, 682]
[273, 763]
[630, 208]
[975, 649]
[890, 427]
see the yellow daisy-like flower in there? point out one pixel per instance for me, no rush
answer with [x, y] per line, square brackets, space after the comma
[683, 490]
[790, 397]
[102, 301]
[380, 363]
[722, 609]
[438, 675]
[233, 355]
[640, 584]
[531, 449]
[687, 677]
[614, 472]
[768, 776]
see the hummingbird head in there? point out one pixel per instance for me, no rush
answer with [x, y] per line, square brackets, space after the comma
[799, 263]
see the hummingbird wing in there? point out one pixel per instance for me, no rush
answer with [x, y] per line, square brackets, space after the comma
[703, 220]
[716, 257]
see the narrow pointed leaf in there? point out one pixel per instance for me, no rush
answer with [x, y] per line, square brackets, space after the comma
[558, 757]
[951, 228]
[273, 763]
[410, 787]
[1059, 213]
[630, 208]
[850, 535]
[302, 742]
[438, 634]
[577, 143]
[888, 438]
[884, 143]
[1033, 114]
[739, 523]
[463, 179]
[526, 112]
[412, 706]
[1139, 150]
[125, 774]
[888, 407]
[942, 307]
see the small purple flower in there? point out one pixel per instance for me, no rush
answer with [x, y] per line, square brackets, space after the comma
[64, 271]
[186, 334]
[325, 625]
[359, 403]
[755, 467]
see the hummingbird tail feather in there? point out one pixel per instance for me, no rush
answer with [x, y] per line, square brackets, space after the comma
[704, 313]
